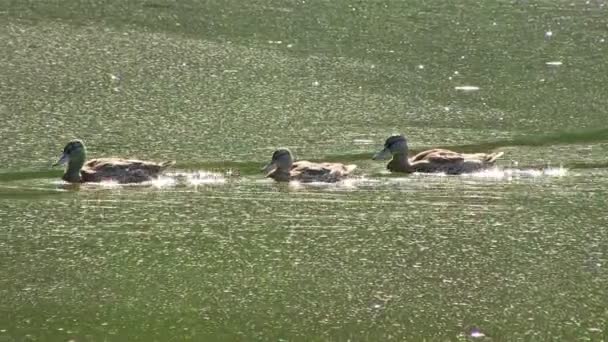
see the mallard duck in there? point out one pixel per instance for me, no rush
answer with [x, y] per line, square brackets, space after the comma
[435, 160]
[282, 168]
[97, 170]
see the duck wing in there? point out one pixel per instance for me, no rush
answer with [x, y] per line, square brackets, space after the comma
[439, 156]
[123, 170]
[442, 155]
[484, 157]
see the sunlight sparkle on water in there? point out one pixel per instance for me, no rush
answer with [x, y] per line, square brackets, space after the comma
[345, 184]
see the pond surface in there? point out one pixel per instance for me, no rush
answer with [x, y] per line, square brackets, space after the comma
[214, 251]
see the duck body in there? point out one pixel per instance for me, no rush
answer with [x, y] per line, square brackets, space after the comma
[106, 169]
[307, 172]
[434, 160]
[120, 170]
[282, 168]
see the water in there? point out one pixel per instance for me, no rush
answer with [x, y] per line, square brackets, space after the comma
[213, 251]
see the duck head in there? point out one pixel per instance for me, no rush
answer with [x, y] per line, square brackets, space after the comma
[282, 160]
[74, 154]
[396, 144]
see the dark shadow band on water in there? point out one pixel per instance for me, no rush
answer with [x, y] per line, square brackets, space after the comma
[559, 138]
[27, 193]
[253, 167]
[30, 174]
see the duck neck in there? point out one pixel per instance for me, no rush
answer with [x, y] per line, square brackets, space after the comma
[72, 172]
[400, 163]
[281, 175]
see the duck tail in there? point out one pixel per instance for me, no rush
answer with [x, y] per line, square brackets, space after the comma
[493, 156]
[167, 164]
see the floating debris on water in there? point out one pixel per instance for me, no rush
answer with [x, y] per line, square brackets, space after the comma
[476, 333]
[467, 88]
[363, 141]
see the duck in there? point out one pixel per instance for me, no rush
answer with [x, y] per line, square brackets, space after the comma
[282, 168]
[120, 170]
[434, 160]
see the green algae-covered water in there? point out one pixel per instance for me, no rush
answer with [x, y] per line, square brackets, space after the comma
[213, 251]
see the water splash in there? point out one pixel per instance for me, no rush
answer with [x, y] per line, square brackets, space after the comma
[106, 184]
[511, 173]
[204, 178]
[162, 182]
[499, 173]
[159, 183]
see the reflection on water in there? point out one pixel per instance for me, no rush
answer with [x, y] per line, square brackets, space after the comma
[412, 253]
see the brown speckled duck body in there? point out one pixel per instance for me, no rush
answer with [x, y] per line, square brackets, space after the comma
[434, 160]
[106, 169]
[282, 168]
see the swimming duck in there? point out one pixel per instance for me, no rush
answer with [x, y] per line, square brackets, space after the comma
[97, 170]
[282, 168]
[435, 160]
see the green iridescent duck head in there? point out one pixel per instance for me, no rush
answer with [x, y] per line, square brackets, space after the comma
[282, 160]
[74, 154]
[396, 144]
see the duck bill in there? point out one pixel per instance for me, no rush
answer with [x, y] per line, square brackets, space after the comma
[269, 168]
[63, 160]
[382, 155]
